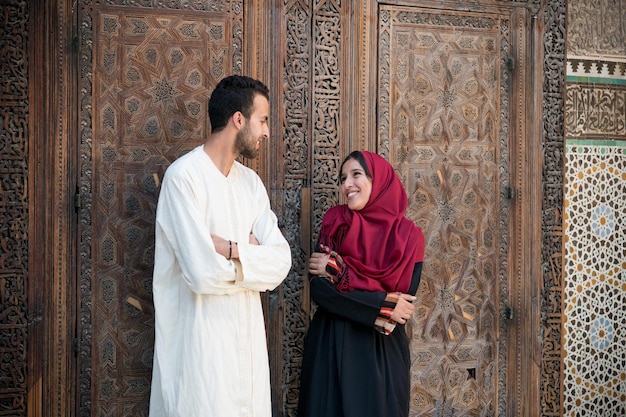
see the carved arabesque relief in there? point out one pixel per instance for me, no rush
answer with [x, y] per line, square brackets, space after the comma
[551, 224]
[310, 102]
[14, 207]
[327, 35]
[296, 120]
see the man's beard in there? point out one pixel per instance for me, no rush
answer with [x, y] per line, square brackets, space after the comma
[245, 145]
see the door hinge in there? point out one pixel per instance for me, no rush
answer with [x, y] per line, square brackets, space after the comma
[76, 345]
[508, 192]
[77, 202]
[510, 63]
[508, 313]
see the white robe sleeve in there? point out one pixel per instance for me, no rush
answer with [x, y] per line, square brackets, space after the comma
[264, 266]
[184, 241]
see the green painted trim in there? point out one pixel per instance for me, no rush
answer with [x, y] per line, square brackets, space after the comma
[596, 142]
[574, 146]
[595, 80]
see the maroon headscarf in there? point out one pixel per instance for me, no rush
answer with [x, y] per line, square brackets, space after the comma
[379, 245]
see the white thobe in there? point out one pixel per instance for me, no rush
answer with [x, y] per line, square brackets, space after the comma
[210, 353]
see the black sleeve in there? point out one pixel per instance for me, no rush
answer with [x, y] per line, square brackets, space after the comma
[358, 305]
[417, 276]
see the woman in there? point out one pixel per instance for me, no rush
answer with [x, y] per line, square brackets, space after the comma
[356, 354]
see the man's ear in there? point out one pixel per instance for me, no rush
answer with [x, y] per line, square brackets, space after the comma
[238, 119]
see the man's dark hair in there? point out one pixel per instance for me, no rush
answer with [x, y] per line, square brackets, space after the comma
[232, 94]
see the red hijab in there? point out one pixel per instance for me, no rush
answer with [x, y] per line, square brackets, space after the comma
[378, 244]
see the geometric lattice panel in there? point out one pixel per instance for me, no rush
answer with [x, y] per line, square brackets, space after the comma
[441, 120]
[595, 279]
[153, 70]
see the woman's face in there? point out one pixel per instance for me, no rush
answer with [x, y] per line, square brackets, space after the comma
[355, 185]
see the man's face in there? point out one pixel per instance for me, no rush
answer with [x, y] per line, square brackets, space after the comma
[254, 129]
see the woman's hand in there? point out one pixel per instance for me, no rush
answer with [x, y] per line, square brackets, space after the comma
[404, 308]
[317, 264]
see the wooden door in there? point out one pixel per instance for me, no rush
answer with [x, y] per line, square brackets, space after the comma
[449, 120]
[443, 92]
[146, 74]
[441, 126]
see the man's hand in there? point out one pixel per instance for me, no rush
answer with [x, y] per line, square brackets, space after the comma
[228, 248]
[224, 247]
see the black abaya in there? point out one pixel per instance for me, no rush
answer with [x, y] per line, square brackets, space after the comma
[349, 369]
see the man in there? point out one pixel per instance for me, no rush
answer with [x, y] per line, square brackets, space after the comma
[217, 246]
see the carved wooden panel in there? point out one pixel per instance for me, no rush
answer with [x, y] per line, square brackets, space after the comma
[552, 207]
[151, 70]
[443, 123]
[312, 155]
[326, 117]
[296, 120]
[14, 207]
